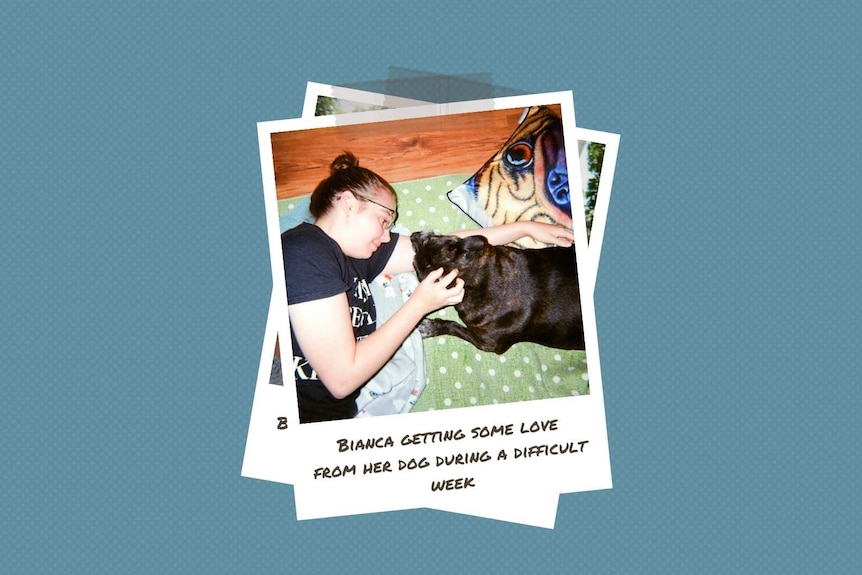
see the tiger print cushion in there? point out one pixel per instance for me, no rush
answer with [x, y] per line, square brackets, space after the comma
[527, 179]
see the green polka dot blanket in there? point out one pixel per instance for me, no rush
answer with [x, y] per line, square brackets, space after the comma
[446, 372]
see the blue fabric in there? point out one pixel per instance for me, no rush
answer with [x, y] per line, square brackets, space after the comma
[137, 280]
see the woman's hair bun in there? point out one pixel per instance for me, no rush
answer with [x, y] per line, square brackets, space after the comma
[343, 162]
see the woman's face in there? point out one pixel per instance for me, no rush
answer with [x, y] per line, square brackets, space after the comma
[370, 225]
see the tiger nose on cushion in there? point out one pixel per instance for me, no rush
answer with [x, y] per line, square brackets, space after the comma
[510, 295]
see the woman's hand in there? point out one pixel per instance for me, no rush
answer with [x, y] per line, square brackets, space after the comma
[434, 292]
[553, 234]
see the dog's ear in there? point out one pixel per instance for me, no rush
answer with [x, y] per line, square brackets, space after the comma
[475, 243]
[469, 249]
[419, 238]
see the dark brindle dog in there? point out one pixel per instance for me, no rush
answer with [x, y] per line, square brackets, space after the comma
[510, 294]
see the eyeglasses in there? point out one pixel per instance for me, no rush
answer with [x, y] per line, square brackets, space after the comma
[387, 223]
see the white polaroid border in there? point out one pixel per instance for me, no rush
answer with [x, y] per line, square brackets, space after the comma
[268, 436]
[603, 196]
[571, 421]
[314, 90]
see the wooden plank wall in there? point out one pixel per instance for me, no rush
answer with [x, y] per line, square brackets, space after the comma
[398, 150]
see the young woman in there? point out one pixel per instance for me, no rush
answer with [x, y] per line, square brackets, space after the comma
[337, 347]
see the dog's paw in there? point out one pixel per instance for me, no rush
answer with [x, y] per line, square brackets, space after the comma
[428, 327]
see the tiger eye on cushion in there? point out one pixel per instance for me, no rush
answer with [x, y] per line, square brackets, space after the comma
[519, 155]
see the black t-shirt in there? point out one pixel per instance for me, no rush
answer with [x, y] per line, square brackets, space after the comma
[316, 268]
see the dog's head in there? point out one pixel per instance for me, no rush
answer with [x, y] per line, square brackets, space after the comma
[433, 251]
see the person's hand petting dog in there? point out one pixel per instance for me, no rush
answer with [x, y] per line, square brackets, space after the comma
[437, 290]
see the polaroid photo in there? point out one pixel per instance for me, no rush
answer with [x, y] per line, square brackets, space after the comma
[494, 485]
[323, 99]
[328, 100]
[268, 432]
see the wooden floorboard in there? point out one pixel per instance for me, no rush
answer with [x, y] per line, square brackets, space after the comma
[398, 150]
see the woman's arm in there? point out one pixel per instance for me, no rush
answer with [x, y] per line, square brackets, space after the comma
[323, 330]
[401, 259]
[553, 234]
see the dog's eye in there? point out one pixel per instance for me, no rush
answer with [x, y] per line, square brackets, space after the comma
[519, 155]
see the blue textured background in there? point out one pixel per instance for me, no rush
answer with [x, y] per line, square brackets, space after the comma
[136, 281]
